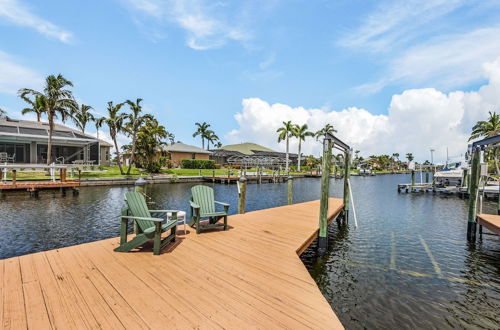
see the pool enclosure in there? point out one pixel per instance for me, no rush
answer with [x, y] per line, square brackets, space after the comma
[26, 142]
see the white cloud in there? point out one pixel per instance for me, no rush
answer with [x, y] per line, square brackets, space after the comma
[417, 120]
[206, 27]
[394, 22]
[14, 76]
[17, 13]
[448, 61]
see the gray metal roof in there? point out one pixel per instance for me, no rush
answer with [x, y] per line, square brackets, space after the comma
[27, 128]
[181, 147]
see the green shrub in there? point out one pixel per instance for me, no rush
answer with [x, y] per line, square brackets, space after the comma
[198, 164]
[153, 167]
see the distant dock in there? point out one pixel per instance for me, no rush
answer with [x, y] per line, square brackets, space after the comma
[250, 276]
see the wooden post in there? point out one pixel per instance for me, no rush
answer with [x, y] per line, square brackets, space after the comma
[242, 196]
[14, 176]
[213, 176]
[290, 190]
[79, 175]
[426, 176]
[474, 181]
[260, 174]
[412, 180]
[498, 205]
[325, 191]
[347, 174]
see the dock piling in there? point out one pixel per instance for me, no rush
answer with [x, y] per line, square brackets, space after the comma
[474, 181]
[347, 173]
[325, 187]
[290, 190]
[412, 180]
[242, 195]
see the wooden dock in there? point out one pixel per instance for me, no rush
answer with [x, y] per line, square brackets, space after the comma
[38, 185]
[490, 222]
[247, 277]
[249, 178]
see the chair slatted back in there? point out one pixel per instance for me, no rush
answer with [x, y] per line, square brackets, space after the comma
[204, 197]
[139, 208]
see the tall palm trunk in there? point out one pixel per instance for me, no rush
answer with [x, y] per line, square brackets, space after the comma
[287, 147]
[38, 116]
[202, 143]
[51, 130]
[118, 158]
[495, 159]
[132, 155]
[298, 161]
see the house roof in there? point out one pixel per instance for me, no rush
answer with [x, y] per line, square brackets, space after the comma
[181, 147]
[34, 129]
[246, 148]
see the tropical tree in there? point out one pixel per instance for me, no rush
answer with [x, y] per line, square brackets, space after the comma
[218, 145]
[203, 131]
[83, 116]
[285, 132]
[115, 121]
[328, 129]
[57, 101]
[151, 137]
[37, 106]
[488, 128]
[99, 122]
[3, 113]
[211, 137]
[170, 137]
[409, 156]
[301, 132]
[134, 121]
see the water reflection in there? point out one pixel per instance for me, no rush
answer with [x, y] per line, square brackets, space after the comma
[381, 275]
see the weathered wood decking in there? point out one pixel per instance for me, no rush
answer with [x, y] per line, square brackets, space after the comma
[247, 277]
[37, 185]
[490, 221]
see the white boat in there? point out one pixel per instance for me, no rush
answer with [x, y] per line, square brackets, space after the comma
[451, 175]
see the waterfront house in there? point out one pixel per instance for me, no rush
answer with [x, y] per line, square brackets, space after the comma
[251, 154]
[179, 151]
[25, 142]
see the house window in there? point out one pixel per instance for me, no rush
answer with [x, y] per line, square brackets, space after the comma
[193, 156]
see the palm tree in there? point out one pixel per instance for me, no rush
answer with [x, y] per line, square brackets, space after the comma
[488, 128]
[202, 131]
[98, 122]
[115, 120]
[211, 137]
[57, 100]
[82, 117]
[285, 132]
[409, 156]
[134, 122]
[328, 129]
[395, 156]
[3, 113]
[170, 137]
[37, 106]
[301, 132]
[218, 145]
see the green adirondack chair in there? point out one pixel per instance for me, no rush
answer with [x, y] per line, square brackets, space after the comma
[203, 206]
[148, 227]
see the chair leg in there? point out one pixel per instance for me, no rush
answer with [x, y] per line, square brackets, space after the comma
[173, 233]
[157, 239]
[225, 222]
[197, 225]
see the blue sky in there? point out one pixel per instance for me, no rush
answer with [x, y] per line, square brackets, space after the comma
[199, 60]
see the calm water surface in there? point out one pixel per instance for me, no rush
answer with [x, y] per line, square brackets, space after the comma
[406, 266]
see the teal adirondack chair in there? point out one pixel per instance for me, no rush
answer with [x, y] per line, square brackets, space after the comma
[148, 227]
[203, 206]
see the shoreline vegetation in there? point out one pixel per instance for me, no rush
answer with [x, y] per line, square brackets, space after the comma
[113, 172]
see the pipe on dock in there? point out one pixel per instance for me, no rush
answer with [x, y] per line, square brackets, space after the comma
[347, 173]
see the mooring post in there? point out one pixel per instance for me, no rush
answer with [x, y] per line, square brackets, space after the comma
[140, 187]
[325, 191]
[426, 176]
[412, 180]
[242, 195]
[213, 176]
[498, 204]
[474, 181]
[290, 190]
[347, 174]
[14, 177]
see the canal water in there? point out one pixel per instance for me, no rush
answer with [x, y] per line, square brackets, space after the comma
[406, 266]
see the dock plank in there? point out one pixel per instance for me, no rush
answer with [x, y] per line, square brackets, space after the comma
[250, 276]
[490, 221]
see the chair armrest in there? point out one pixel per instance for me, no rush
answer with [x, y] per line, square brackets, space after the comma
[220, 203]
[163, 211]
[142, 218]
[194, 205]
